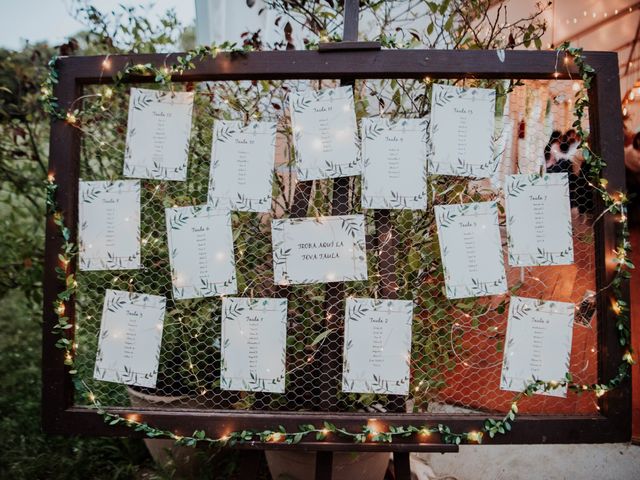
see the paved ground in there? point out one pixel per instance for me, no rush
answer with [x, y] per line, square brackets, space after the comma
[615, 461]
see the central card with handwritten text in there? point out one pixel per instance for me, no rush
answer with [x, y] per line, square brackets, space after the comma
[377, 346]
[242, 159]
[461, 131]
[471, 249]
[130, 336]
[158, 133]
[325, 134]
[200, 252]
[394, 162]
[254, 344]
[319, 250]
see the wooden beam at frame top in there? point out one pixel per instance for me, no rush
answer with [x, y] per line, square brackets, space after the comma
[490, 64]
[61, 416]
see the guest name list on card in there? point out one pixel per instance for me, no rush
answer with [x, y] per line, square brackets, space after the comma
[325, 135]
[471, 249]
[130, 336]
[201, 252]
[539, 219]
[254, 339]
[242, 159]
[537, 344]
[377, 346]
[394, 164]
[109, 225]
[158, 131]
[461, 131]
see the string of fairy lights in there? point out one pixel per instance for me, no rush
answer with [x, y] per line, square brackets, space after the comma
[593, 14]
[615, 203]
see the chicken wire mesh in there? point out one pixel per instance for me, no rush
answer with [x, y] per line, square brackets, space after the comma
[457, 345]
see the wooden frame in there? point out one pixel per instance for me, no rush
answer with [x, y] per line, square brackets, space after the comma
[348, 61]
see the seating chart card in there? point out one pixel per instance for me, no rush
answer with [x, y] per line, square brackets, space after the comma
[461, 131]
[538, 344]
[325, 135]
[158, 133]
[471, 249]
[201, 252]
[254, 344]
[242, 162]
[394, 162]
[319, 250]
[130, 337]
[377, 346]
[109, 225]
[539, 219]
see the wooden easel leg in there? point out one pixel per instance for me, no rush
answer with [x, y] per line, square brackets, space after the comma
[402, 465]
[250, 464]
[324, 465]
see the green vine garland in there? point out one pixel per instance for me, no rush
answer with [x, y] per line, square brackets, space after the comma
[615, 204]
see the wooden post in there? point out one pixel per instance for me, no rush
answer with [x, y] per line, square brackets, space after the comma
[250, 464]
[402, 465]
[324, 465]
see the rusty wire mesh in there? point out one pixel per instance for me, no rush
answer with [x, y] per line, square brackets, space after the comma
[457, 344]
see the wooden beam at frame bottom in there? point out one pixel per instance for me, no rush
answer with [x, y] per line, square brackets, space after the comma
[527, 428]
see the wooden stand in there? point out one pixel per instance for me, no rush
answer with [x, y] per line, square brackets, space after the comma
[348, 60]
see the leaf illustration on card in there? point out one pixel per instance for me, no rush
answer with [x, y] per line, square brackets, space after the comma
[442, 96]
[352, 226]
[142, 100]
[90, 193]
[300, 103]
[371, 130]
[178, 221]
[280, 256]
[224, 133]
[115, 303]
[515, 188]
[447, 217]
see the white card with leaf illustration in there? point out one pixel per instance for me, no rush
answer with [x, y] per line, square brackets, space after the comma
[254, 344]
[109, 225]
[461, 131]
[538, 344]
[471, 249]
[377, 346]
[158, 131]
[325, 134]
[130, 338]
[319, 250]
[242, 162]
[394, 163]
[539, 219]
[201, 252]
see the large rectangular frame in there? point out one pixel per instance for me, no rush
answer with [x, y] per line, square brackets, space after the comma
[348, 62]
